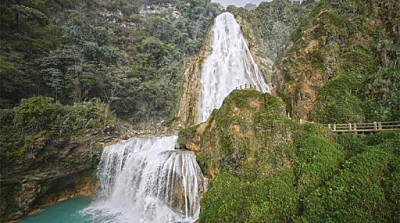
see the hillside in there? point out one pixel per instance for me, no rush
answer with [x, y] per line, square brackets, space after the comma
[342, 63]
[129, 54]
[265, 167]
[267, 26]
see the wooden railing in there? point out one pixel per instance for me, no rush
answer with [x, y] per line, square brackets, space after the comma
[247, 86]
[365, 127]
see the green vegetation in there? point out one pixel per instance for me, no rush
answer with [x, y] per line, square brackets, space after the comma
[341, 64]
[68, 69]
[109, 50]
[266, 168]
[37, 120]
[267, 26]
[42, 141]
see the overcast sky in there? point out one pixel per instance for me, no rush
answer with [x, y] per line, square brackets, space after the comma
[239, 3]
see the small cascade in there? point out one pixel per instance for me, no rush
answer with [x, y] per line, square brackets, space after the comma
[229, 65]
[144, 179]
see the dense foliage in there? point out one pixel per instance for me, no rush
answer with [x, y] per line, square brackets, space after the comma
[341, 64]
[37, 118]
[361, 188]
[129, 54]
[48, 150]
[266, 168]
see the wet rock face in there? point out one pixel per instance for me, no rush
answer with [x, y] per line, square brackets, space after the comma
[180, 198]
[53, 169]
[188, 105]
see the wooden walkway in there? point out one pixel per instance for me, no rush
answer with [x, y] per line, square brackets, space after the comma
[364, 127]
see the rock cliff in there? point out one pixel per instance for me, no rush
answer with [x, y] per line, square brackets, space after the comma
[249, 136]
[266, 28]
[338, 63]
[188, 104]
[49, 152]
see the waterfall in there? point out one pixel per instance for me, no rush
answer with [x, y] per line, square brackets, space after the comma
[229, 65]
[145, 180]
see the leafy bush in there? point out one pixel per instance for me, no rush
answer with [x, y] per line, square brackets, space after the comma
[337, 102]
[317, 159]
[356, 193]
[225, 200]
[37, 118]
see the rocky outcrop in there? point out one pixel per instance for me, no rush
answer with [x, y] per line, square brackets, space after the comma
[51, 154]
[53, 168]
[266, 28]
[249, 137]
[166, 10]
[187, 114]
[326, 69]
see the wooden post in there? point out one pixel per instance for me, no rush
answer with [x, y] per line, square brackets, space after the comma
[350, 126]
[329, 126]
[375, 126]
[355, 128]
[380, 125]
[334, 127]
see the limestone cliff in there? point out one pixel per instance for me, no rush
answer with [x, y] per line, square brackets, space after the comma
[188, 104]
[338, 63]
[49, 152]
[266, 27]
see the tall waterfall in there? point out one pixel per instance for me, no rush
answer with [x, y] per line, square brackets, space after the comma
[145, 180]
[229, 65]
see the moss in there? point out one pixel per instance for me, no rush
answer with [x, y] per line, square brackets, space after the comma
[266, 168]
[186, 134]
[317, 159]
[337, 102]
[355, 194]
[225, 200]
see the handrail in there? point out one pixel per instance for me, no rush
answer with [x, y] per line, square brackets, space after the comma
[247, 86]
[364, 127]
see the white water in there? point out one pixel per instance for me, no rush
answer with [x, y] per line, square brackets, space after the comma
[229, 65]
[145, 180]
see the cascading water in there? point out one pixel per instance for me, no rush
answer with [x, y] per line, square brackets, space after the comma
[229, 65]
[145, 180]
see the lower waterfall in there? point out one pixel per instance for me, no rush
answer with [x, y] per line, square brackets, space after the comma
[144, 179]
